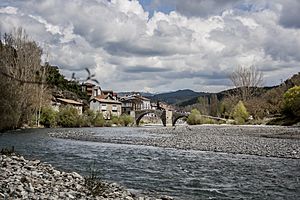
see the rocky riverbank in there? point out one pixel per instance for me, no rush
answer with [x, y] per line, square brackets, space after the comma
[31, 179]
[274, 141]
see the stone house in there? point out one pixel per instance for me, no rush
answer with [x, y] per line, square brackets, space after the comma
[134, 102]
[58, 103]
[106, 105]
[91, 89]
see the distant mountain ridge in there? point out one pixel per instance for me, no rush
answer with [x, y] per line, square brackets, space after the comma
[175, 97]
[145, 94]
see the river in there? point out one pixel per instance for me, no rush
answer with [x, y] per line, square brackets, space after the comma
[183, 174]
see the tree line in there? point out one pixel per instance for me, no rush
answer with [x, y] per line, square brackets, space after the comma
[26, 83]
[249, 99]
[69, 117]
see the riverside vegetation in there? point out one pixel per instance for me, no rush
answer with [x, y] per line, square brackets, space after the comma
[289, 110]
[265, 105]
[69, 117]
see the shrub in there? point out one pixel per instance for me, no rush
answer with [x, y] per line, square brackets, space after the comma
[126, 120]
[239, 113]
[292, 101]
[87, 118]
[107, 123]
[99, 120]
[48, 117]
[68, 117]
[194, 118]
[207, 121]
[115, 120]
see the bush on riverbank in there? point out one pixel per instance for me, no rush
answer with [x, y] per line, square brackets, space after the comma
[48, 117]
[290, 109]
[99, 120]
[240, 113]
[195, 118]
[126, 120]
[87, 118]
[292, 102]
[123, 120]
[69, 117]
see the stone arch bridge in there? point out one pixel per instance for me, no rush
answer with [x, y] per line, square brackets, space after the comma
[168, 118]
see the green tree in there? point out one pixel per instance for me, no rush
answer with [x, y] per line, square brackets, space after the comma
[292, 101]
[54, 78]
[126, 120]
[214, 105]
[68, 117]
[194, 118]
[115, 120]
[203, 105]
[240, 113]
[48, 117]
[99, 120]
[87, 118]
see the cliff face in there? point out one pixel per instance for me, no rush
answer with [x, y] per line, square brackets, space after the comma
[62, 87]
[56, 92]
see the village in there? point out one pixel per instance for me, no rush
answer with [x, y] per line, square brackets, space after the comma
[109, 104]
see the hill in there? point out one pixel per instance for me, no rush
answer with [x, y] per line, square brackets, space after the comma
[221, 95]
[145, 94]
[177, 97]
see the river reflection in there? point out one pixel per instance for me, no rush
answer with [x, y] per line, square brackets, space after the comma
[178, 173]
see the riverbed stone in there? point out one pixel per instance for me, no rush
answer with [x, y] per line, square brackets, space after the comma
[270, 141]
[24, 179]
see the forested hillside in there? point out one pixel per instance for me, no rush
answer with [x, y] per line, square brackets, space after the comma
[266, 101]
[176, 97]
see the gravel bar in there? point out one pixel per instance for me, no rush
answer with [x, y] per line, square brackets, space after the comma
[270, 141]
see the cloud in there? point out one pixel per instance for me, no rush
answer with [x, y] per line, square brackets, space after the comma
[195, 45]
[143, 69]
[290, 14]
[9, 10]
[204, 8]
[198, 8]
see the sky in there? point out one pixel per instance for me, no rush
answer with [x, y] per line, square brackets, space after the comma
[162, 45]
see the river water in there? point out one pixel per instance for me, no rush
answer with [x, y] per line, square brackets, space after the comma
[183, 174]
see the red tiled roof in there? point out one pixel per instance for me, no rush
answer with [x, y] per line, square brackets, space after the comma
[69, 101]
[105, 100]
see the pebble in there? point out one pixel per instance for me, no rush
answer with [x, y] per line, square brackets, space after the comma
[25, 179]
[269, 141]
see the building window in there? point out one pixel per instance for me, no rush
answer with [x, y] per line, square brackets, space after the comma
[114, 108]
[103, 107]
[95, 92]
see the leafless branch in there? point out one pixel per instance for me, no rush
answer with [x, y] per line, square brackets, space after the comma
[246, 80]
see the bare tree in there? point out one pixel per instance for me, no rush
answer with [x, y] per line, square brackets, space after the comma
[23, 85]
[246, 80]
[20, 65]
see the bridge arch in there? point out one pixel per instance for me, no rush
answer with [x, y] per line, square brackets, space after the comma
[140, 114]
[177, 118]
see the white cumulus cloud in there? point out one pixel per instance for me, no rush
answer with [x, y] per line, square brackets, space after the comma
[197, 45]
